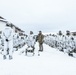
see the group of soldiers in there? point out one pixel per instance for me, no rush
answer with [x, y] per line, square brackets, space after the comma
[11, 41]
[63, 42]
[31, 41]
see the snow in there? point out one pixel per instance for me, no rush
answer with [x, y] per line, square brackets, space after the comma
[50, 62]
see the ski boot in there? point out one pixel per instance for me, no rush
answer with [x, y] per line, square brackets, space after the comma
[10, 57]
[4, 57]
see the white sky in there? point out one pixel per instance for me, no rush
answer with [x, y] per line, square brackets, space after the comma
[45, 15]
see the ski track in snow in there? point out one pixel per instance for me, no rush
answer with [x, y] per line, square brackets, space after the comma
[50, 62]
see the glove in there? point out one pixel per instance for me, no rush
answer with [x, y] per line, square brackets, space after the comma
[7, 40]
[41, 43]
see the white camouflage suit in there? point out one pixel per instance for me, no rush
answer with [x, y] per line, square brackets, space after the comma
[8, 34]
[31, 40]
[16, 39]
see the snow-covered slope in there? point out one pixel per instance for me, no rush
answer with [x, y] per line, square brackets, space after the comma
[50, 62]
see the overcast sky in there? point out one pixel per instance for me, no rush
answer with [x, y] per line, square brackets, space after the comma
[45, 15]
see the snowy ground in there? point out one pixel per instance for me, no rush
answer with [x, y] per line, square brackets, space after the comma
[50, 62]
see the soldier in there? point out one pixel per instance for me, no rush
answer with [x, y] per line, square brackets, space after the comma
[1, 41]
[7, 36]
[16, 35]
[60, 40]
[31, 40]
[68, 42]
[40, 39]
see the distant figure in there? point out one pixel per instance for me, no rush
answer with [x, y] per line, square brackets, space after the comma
[7, 36]
[30, 43]
[31, 40]
[40, 39]
[0, 40]
[16, 38]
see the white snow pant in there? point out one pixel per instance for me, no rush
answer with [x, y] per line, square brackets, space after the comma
[30, 43]
[7, 45]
